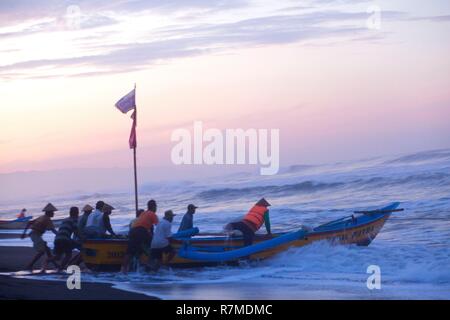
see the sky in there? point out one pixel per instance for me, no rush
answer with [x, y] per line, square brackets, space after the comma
[337, 81]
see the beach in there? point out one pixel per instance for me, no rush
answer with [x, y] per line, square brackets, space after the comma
[13, 259]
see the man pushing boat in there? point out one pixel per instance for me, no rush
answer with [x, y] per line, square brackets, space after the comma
[141, 234]
[98, 222]
[252, 221]
[38, 228]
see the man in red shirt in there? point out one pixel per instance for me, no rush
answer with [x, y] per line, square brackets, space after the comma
[141, 234]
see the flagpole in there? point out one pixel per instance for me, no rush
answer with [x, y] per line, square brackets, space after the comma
[134, 162]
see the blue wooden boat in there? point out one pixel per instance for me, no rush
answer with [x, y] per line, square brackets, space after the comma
[196, 249]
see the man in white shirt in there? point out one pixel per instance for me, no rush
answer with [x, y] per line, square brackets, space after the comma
[98, 222]
[161, 243]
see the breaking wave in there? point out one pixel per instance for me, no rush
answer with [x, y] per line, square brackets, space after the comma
[302, 187]
[432, 179]
[422, 156]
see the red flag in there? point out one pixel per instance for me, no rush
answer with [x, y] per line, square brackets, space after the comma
[132, 139]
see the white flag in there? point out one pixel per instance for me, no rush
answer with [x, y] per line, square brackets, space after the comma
[127, 103]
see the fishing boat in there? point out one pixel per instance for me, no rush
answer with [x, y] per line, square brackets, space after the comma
[20, 223]
[196, 249]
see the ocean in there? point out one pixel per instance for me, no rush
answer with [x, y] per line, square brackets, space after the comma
[412, 250]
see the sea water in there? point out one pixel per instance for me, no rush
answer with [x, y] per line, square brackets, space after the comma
[412, 250]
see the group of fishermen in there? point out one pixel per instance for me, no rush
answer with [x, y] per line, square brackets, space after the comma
[147, 235]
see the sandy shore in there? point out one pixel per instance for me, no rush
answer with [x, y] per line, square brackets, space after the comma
[15, 258]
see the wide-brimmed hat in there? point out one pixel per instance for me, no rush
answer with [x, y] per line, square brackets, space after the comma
[108, 207]
[87, 208]
[49, 207]
[192, 207]
[263, 202]
[169, 213]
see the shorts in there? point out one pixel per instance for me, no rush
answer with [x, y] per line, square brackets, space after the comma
[247, 232]
[157, 253]
[63, 246]
[139, 241]
[38, 243]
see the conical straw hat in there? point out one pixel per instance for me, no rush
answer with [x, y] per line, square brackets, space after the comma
[49, 207]
[87, 208]
[263, 202]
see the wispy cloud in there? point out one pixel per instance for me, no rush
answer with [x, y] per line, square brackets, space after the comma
[438, 18]
[132, 36]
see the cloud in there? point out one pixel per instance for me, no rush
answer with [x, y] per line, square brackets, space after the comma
[438, 18]
[189, 41]
[60, 24]
[102, 52]
[18, 11]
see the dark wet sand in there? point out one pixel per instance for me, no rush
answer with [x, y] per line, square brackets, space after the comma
[10, 235]
[15, 258]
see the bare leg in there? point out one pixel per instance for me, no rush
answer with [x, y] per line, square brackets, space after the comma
[50, 258]
[77, 260]
[171, 255]
[125, 264]
[65, 261]
[35, 259]
[44, 265]
[154, 264]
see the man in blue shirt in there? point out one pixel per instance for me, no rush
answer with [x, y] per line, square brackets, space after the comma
[188, 219]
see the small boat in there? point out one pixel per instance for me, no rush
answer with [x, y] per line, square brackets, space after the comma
[20, 223]
[196, 249]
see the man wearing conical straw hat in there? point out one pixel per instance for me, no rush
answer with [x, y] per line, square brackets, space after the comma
[38, 227]
[252, 221]
[87, 210]
[98, 222]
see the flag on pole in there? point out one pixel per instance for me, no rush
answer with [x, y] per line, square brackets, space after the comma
[127, 102]
[132, 139]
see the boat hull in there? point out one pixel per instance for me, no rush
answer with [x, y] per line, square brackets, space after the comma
[108, 254]
[16, 224]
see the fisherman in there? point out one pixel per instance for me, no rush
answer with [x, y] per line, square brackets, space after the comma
[64, 244]
[22, 214]
[160, 243]
[98, 222]
[138, 213]
[141, 234]
[188, 219]
[38, 227]
[87, 210]
[252, 221]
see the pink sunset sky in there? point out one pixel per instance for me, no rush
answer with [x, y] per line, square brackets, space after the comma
[335, 88]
